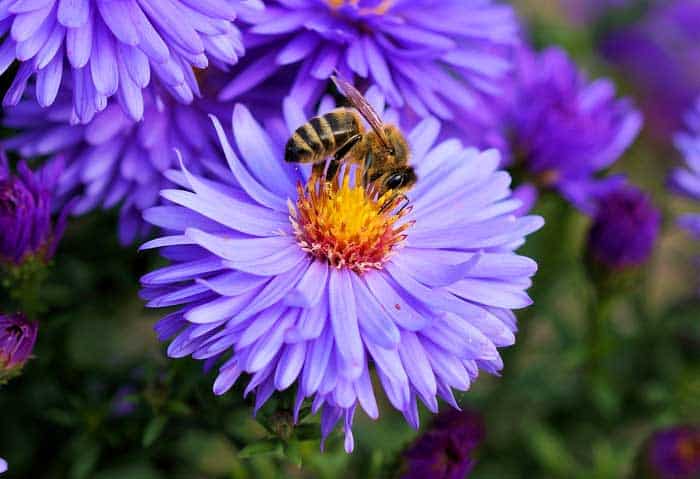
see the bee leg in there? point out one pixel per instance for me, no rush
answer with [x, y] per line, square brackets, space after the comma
[369, 159]
[341, 153]
[318, 169]
[391, 201]
[333, 166]
[404, 200]
[385, 206]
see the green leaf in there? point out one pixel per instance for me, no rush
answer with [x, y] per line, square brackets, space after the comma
[551, 452]
[153, 430]
[260, 448]
[179, 408]
[85, 461]
[293, 453]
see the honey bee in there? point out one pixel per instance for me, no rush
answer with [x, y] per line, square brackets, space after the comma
[382, 152]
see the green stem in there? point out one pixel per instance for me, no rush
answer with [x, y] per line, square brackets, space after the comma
[597, 333]
[598, 346]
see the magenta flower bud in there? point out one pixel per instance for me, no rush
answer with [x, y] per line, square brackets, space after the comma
[17, 338]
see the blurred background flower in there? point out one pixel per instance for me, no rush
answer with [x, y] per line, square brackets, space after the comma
[674, 453]
[115, 160]
[451, 67]
[657, 56]
[446, 449]
[104, 49]
[564, 130]
[686, 181]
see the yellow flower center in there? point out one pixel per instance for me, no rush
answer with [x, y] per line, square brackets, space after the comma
[346, 225]
[381, 8]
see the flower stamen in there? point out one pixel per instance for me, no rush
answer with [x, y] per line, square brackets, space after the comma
[346, 224]
[380, 9]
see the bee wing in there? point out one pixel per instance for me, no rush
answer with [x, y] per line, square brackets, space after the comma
[360, 104]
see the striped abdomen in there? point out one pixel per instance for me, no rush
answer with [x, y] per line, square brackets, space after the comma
[318, 139]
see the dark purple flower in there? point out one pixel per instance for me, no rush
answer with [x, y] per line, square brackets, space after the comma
[123, 403]
[625, 228]
[659, 56]
[445, 58]
[564, 129]
[25, 212]
[113, 48]
[445, 450]
[686, 181]
[295, 280]
[17, 338]
[674, 453]
[115, 159]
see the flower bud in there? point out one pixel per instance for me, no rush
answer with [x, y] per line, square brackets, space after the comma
[25, 213]
[445, 450]
[625, 228]
[17, 338]
[674, 453]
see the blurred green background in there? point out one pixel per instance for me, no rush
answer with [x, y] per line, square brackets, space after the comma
[101, 401]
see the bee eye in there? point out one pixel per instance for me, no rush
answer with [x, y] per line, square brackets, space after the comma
[395, 181]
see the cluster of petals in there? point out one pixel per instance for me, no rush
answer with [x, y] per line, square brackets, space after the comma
[253, 302]
[445, 58]
[656, 54]
[113, 159]
[26, 206]
[105, 48]
[564, 129]
[17, 338]
[686, 181]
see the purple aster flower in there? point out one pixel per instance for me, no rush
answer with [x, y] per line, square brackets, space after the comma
[445, 58]
[112, 48]
[445, 450]
[25, 213]
[294, 280]
[114, 158]
[3, 465]
[674, 453]
[17, 338]
[625, 228]
[684, 181]
[659, 56]
[565, 129]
